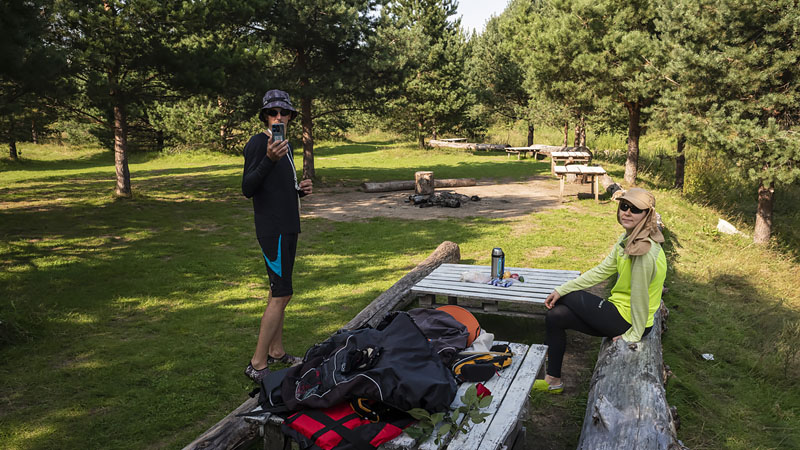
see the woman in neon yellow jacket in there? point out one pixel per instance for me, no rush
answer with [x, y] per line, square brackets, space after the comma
[639, 262]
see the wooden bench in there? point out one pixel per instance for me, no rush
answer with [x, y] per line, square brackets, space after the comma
[502, 429]
[445, 281]
[521, 151]
[592, 172]
[568, 157]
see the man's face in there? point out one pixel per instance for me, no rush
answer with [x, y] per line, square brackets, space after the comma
[278, 115]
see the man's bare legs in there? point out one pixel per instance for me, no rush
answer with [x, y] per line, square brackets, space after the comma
[270, 335]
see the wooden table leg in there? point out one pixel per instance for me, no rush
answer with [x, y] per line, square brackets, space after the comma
[596, 188]
[561, 187]
[452, 300]
[427, 301]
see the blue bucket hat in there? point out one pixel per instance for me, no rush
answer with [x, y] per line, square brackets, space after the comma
[276, 98]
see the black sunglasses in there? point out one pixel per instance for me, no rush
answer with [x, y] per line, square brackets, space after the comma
[274, 112]
[625, 206]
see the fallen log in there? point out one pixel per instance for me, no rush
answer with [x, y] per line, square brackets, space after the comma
[627, 406]
[466, 145]
[235, 433]
[389, 186]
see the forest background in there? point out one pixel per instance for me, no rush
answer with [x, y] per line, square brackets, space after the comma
[711, 85]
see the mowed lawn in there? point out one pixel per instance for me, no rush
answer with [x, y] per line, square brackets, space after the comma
[127, 323]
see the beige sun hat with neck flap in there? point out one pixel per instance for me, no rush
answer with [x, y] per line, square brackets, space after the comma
[638, 243]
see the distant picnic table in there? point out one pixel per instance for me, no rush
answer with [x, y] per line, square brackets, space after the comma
[592, 172]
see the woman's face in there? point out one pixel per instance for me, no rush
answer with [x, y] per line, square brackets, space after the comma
[629, 215]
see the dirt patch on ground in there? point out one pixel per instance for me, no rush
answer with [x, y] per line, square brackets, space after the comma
[498, 199]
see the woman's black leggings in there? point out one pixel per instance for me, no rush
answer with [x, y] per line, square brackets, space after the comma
[586, 313]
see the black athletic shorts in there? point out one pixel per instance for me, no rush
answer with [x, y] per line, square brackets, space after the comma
[279, 253]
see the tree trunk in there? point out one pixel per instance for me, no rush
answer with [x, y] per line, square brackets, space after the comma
[582, 140]
[308, 139]
[636, 416]
[566, 133]
[160, 140]
[530, 134]
[766, 198]
[632, 163]
[12, 150]
[123, 188]
[34, 134]
[680, 163]
[420, 134]
[423, 183]
[576, 140]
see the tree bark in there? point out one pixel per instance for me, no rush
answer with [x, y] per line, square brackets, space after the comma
[530, 133]
[582, 140]
[763, 229]
[407, 185]
[566, 133]
[423, 183]
[34, 134]
[12, 150]
[160, 140]
[308, 139]
[680, 163]
[123, 188]
[420, 134]
[632, 162]
[627, 406]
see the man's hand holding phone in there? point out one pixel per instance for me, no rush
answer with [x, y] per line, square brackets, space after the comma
[276, 149]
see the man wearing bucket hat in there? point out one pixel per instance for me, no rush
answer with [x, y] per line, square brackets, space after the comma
[270, 179]
[639, 261]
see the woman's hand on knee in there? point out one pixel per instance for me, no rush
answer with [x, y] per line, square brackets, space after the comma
[551, 299]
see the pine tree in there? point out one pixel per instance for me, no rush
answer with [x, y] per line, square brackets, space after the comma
[434, 97]
[125, 54]
[327, 56]
[32, 73]
[595, 54]
[734, 68]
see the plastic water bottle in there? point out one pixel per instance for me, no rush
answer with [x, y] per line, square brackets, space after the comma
[498, 262]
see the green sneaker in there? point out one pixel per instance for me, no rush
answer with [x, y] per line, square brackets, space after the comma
[544, 386]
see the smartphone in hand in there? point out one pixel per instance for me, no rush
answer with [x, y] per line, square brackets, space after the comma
[278, 132]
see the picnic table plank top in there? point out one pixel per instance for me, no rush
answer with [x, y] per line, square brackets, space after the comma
[454, 139]
[570, 154]
[446, 280]
[523, 148]
[579, 169]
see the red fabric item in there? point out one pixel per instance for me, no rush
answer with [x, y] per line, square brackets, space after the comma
[329, 440]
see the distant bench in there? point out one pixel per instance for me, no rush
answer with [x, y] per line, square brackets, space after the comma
[521, 151]
[568, 157]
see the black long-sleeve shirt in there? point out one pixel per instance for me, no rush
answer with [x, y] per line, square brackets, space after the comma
[272, 187]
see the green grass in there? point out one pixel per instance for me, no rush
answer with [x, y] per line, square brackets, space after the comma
[127, 323]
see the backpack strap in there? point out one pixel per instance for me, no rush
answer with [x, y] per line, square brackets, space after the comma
[338, 426]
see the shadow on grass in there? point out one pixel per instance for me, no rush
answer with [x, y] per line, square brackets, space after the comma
[146, 310]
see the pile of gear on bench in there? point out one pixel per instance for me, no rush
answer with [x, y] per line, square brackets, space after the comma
[352, 391]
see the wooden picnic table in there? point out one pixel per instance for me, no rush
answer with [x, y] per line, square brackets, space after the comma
[502, 429]
[521, 151]
[592, 172]
[445, 281]
[568, 157]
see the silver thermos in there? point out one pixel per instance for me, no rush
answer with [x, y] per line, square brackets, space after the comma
[498, 263]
